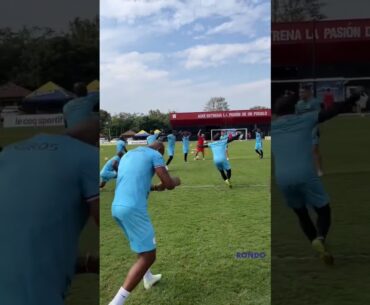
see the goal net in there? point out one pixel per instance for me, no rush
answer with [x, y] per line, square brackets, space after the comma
[243, 132]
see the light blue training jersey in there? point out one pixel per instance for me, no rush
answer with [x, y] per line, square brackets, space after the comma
[45, 182]
[108, 166]
[135, 173]
[171, 140]
[218, 150]
[292, 147]
[258, 138]
[186, 141]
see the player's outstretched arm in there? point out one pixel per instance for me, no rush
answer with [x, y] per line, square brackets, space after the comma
[200, 130]
[234, 138]
[167, 182]
[338, 108]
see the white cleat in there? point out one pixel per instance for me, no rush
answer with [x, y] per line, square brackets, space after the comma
[166, 167]
[154, 280]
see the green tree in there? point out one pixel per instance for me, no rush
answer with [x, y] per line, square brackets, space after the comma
[217, 104]
[297, 10]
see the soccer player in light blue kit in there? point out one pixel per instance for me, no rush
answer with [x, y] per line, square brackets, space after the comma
[129, 209]
[171, 147]
[225, 135]
[185, 143]
[81, 107]
[258, 146]
[295, 172]
[218, 148]
[109, 170]
[121, 146]
[49, 186]
[308, 103]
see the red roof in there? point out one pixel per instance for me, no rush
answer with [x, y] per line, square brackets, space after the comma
[221, 118]
[11, 90]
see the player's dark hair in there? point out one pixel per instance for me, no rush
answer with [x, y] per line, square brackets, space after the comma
[80, 89]
[285, 105]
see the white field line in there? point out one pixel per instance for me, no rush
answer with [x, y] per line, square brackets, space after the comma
[217, 186]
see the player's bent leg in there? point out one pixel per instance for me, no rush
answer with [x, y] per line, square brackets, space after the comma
[169, 160]
[318, 159]
[323, 221]
[306, 223]
[228, 174]
[223, 175]
[139, 269]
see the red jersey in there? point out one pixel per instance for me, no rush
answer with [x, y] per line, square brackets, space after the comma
[200, 140]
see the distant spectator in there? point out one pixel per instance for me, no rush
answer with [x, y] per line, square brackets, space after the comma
[328, 99]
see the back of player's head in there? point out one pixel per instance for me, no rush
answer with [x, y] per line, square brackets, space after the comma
[285, 105]
[158, 146]
[80, 89]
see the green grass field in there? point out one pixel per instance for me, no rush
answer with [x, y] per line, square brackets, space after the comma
[298, 277]
[200, 227]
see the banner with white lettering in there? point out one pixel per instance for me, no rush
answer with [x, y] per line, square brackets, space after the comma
[321, 31]
[37, 120]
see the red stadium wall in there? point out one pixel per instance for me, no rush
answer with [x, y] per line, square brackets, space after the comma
[335, 41]
[235, 118]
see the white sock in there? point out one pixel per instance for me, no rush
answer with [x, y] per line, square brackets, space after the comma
[148, 275]
[120, 297]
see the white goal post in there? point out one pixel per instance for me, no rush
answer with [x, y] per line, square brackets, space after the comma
[243, 131]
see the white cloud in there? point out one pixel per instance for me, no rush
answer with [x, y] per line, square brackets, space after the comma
[131, 67]
[168, 15]
[128, 84]
[257, 51]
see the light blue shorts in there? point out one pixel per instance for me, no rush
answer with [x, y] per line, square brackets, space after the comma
[258, 146]
[106, 176]
[185, 149]
[315, 136]
[311, 193]
[170, 151]
[137, 227]
[222, 165]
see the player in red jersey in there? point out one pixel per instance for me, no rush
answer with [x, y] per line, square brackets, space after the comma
[200, 147]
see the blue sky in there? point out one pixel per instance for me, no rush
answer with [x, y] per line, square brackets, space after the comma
[177, 54]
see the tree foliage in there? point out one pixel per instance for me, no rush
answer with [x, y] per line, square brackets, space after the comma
[32, 56]
[122, 122]
[217, 104]
[297, 10]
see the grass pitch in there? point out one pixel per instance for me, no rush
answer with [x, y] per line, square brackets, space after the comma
[199, 227]
[298, 277]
